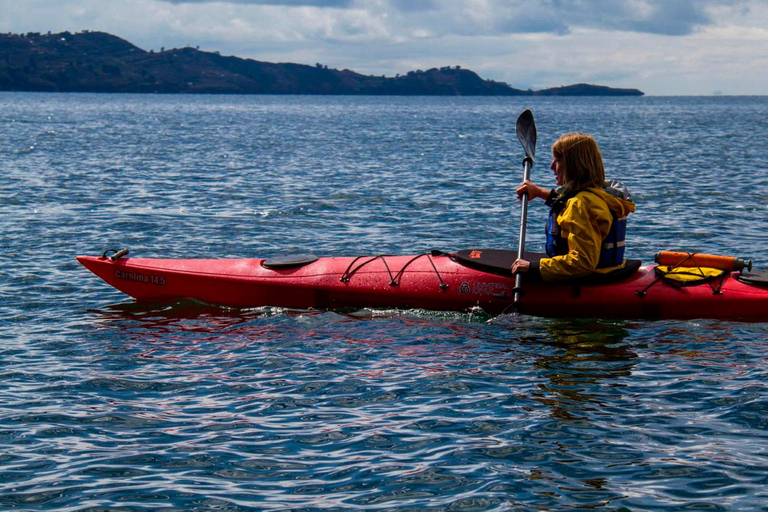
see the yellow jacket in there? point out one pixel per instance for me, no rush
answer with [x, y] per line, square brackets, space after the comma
[585, 222]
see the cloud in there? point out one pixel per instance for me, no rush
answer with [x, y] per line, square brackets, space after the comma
[283, 3]
[675, 17]
[415, 5]
[487, 17]
[679, 17]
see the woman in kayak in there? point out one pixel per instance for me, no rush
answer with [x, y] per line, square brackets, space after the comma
[587, 220]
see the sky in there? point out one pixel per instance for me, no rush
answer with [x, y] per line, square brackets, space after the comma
[662, 47]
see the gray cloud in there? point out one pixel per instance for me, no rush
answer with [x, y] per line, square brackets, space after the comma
[664, 17]
[679, 17]
[667, 17]
[283, 3]
[415, 5]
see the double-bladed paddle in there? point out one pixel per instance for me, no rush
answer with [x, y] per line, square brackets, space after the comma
[526, 134]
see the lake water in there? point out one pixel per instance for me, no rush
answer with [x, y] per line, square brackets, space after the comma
[109, 404]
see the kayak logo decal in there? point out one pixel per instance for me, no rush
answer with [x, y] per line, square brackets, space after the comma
[140, 278]
[494, 289]
[500, 290]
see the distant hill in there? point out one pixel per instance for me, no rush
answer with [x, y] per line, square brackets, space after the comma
[100, 62]
[587, 90]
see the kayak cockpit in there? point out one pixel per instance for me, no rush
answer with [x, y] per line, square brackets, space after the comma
[499, 262]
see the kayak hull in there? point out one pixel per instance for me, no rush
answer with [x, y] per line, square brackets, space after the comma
[426, 281]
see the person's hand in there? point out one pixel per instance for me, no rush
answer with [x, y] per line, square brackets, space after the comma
[521, 266]
[532, 189]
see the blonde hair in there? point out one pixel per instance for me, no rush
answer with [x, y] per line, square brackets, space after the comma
[583, 161]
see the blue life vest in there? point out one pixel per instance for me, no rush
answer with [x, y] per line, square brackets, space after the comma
[612, 250]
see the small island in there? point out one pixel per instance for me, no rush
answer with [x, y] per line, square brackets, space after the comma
[100, 62]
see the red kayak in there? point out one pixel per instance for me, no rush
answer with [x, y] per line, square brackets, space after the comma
[462, 281]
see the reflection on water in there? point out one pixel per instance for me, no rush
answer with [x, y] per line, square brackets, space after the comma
[587, 356]
[581, 365]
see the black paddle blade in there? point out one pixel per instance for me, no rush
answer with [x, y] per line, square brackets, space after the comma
[526, 133]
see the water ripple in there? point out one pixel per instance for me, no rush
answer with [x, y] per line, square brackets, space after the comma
[108, 404]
